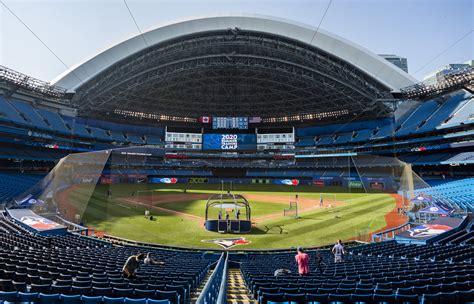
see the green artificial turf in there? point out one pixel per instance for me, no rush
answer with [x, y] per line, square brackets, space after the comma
[198, 207]
[360, 214]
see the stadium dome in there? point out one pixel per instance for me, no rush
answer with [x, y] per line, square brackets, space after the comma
[240, 65]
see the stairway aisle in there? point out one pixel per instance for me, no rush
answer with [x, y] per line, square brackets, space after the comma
[237, 292]
[195, 294]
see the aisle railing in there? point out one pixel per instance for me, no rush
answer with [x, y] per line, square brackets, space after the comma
[215, 289]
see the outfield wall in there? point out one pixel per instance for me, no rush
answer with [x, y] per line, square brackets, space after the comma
[385, 184]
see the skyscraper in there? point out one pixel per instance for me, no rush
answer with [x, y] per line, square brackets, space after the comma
[396, 60]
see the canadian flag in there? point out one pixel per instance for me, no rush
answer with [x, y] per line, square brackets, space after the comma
[205, 119]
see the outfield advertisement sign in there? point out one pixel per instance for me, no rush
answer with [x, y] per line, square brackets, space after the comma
[163, 180]
[376, 185]
[107, 179]
[260, 181]
[355, 184]
[318, 183]
[287, 182]
[229, 142]
[198, 180]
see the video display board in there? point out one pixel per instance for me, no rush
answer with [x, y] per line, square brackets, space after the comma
[229, 142]
[230, 123]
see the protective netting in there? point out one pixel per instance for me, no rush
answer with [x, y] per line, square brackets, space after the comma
[96, 188]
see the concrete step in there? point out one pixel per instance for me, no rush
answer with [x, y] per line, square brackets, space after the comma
[237, 291]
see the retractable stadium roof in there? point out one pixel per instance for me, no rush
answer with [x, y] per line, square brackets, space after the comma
[239, 65]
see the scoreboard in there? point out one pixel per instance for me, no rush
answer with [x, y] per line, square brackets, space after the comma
[230, 123]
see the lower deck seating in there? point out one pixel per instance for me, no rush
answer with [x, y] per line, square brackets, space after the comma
[369, 274]
[77, 269]
[462, 237]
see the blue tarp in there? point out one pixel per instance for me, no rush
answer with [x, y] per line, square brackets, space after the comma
[437, 209]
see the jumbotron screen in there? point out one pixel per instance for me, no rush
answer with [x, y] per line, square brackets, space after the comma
[229, 142]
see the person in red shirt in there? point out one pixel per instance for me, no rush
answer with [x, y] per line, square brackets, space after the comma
[302, 259]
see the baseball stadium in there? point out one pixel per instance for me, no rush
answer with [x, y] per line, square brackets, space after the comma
[221, 144]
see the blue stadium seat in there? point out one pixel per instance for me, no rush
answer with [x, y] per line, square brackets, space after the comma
[273, 297]
[71, 299]
[19, 286]
[405, 298]
[153, 140]
[362, 298]
[140, 293]
[465, 296]
[49, 298]
[460, 116]
[100, 134]
[27, 111]
[317, 298]
[135, 301]
[135, 139]
[339, 298]
[294, 298]
[91, 300]
[172, 296]
[122, 292]
[421, 113]
[151, 301]
[55, 120]
[113, 300]
[447, 109]
[28, 296]
[10, 296]
[102, 291]
[9, 113]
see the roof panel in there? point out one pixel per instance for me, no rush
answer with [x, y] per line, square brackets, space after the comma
[363, 59]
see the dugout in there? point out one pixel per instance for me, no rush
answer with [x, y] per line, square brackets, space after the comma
[233, 214]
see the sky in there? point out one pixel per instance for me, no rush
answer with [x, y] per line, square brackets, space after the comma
[423, 31]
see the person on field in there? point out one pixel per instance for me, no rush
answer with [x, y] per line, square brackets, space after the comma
[302, 260]
[150, 261]
[131, 265]
[338, 251]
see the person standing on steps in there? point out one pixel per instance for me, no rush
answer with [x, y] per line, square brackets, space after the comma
[302, 260]
[338, 251]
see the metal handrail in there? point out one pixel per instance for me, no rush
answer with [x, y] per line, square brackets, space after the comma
[209, 292]
[222, 296]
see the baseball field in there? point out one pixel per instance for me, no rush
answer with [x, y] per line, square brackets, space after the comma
[179, 213]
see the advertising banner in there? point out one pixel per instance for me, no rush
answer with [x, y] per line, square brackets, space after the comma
[163, 180]
[260, 181]
[106, 180]
[355, 184]
[198, 180]
[377, 185]
[318, 183]
[287, 182]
